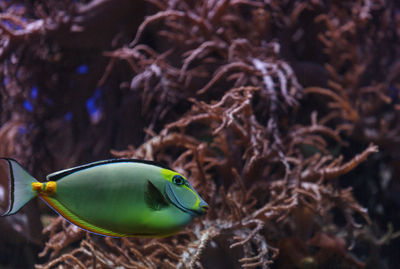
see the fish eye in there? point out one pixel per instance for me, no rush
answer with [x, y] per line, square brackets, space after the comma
[178, 180]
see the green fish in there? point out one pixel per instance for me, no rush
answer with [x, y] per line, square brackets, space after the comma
[119, 197]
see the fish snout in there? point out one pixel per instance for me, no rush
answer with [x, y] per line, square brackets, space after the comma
[204, 207]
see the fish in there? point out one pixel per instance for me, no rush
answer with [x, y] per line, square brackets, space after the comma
[116, 197]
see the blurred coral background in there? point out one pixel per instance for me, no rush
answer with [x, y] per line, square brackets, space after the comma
[285, 115]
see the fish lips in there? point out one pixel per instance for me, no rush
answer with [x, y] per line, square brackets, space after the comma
[175, 200]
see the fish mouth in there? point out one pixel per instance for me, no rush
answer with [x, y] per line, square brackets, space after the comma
[200, 212]
[204, 209]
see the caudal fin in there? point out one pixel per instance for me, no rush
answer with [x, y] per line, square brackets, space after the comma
[15, 187]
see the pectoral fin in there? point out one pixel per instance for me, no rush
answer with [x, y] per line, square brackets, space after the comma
[154, 198]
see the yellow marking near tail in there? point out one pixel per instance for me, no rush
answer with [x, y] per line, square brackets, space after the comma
[51, 187]
[37, 186]
[47, 188]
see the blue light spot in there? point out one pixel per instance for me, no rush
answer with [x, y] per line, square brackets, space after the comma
[68, 116]
[92, 106]
[6, 80]
[11, 25]
[34, 92]
[7, 24]
[28, 106]
[21, 130]
[82, 69]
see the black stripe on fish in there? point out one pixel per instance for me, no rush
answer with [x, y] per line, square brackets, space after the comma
[57, 175]
[12, 187]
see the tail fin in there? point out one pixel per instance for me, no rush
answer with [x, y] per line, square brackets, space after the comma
[15, 186]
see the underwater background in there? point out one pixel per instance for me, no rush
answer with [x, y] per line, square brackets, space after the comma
[283, 114]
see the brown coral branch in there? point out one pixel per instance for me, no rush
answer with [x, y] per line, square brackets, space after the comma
[259, 226]
[61, 239]
[348, 109]
[334, 172]
[201, 50]
[206, 236]
[166, 248]
[64, 258]
[251, 262]
[223, 71]
[169, 14]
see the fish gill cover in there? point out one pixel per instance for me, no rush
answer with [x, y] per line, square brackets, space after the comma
[274, 110]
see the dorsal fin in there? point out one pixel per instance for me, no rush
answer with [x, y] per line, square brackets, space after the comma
[60, 174]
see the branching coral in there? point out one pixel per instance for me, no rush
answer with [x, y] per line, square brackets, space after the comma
[251, 204]
[212, 47]
[217, 86]
[363, 80]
